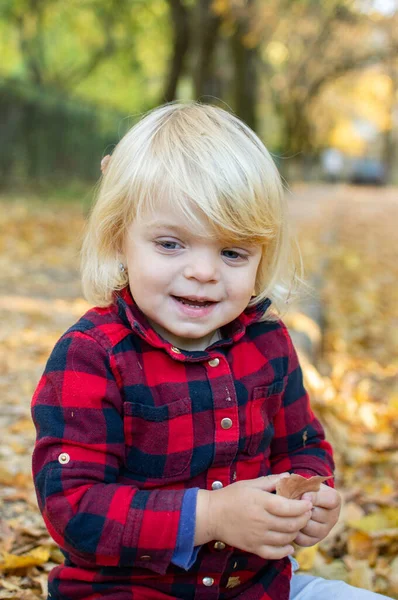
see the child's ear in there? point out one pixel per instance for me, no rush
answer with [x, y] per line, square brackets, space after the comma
[104, 163]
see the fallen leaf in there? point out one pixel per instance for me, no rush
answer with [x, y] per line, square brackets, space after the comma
[306, 557]
[359, 544]
[38, 556]
[22, 426]
[233, 582]
[7, 585]
[296, 485]
[382, 521]
[7, 536]
[361, 576]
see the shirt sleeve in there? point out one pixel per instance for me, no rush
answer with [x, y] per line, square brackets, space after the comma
[185, 553]
[299, 444]
[77, 410]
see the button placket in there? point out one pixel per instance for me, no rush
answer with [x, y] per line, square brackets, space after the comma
[226, 419]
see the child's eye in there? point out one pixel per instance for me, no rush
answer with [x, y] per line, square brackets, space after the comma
[233, 255]
[168, 244]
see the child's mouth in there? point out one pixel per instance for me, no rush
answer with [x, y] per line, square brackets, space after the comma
[194, 303]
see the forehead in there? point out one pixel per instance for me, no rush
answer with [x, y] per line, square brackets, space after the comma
[166, 217]
[186, 217]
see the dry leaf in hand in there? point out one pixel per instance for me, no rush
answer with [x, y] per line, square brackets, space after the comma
[296, 485]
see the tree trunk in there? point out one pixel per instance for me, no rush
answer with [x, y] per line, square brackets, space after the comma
[181, 42]
[207, 84]
[389, 144]
[245, 80]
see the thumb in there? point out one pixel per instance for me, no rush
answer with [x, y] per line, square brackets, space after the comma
[268, 483]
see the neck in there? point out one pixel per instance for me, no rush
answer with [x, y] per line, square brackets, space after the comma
[189, 344]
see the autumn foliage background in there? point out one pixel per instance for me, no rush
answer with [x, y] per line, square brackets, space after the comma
[307, 76]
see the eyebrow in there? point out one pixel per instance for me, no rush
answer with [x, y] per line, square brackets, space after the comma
[165, 225]
[157, 225]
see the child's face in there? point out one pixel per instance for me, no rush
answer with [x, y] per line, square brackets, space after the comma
[188, 285]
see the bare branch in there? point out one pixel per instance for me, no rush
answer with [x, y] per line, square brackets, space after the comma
[351, 63]
[314, 47]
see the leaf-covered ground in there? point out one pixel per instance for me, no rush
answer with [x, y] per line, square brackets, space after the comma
[349, 244]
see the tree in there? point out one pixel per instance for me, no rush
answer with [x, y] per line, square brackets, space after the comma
[314, 44]
[37, 23]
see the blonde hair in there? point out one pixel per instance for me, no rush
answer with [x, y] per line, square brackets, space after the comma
[195, 156]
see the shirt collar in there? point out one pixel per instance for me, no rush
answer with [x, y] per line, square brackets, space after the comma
[232, 332]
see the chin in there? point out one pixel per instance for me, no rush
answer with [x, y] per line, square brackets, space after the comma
[191, 335]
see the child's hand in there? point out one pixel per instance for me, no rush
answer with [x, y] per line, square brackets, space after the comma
[247, 516]
[327, 504]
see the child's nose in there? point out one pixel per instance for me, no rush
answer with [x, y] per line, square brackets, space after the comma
[204, 269]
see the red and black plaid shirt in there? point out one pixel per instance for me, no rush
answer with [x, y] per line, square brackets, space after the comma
[126, 423]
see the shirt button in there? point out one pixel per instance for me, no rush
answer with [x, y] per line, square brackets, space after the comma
[226, 423]
[64, 458]
[175, 350]
[208, 581]
[216, 485]
[219, 546]
[145, 557]
[214, 362]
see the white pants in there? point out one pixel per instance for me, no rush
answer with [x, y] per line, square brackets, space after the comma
[306, 587]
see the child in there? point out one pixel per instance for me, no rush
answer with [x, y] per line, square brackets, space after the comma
[167, 414]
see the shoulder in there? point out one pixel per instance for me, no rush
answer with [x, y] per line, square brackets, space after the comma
[275, 333]
[103, 325]
[271, 340]
[94, 338]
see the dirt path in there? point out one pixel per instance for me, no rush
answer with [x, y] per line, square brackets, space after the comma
[348, 234]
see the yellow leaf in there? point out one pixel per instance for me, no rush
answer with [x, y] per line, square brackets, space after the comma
[359, 544]
[361, 576]
[220, 7]
[6, 478]
[22, 426]
[18, 448]
[233, 582]
[352, 512]
[386, 518]
[392, 515]
[37, 556]
[306, 557]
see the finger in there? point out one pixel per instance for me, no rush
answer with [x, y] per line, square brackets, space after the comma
[268, 483]
[290, 524]
[320, 515]
[274, 553]
[305, 540]
[286, 507]
[315, 530]
[327, 497]
[276, 538]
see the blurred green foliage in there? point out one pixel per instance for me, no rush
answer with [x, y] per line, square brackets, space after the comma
[74, 75]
